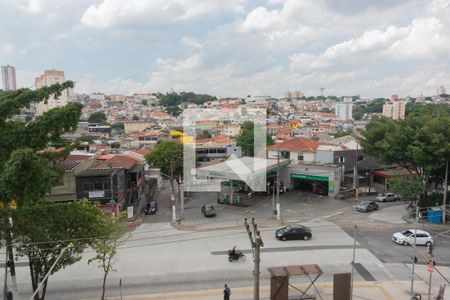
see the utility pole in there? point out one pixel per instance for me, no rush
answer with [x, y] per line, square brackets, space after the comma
[181, 202]
[414, 250]
[278, 185]
[430, 268]
[5, 287]
[172, 196]
[9, 252]
[256, 243]
[355, 175]
[444, 213]
[353, 260]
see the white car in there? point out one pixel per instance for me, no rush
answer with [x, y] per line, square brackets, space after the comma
[406, 237]
[386, 197]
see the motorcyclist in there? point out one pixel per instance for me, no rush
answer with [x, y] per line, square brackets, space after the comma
[234, 253]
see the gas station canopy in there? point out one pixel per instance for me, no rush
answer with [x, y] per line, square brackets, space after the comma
[242, 169]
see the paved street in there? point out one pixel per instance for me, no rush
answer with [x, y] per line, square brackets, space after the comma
[159, 258]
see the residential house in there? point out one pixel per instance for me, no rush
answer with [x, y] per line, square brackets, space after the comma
[117, 182]
[232, 130]
[65, 189]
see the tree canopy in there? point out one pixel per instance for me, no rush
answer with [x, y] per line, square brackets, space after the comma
[43, 230]
[175, 99]
[246, 139]
[97, 117]
[419, 143]
[168, 157]
[375, 106]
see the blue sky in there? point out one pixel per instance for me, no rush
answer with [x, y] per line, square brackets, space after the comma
[233, 47]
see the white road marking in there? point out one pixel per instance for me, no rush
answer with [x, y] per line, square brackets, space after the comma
[333, 215]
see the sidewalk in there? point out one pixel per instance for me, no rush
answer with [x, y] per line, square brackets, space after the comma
[362, 291]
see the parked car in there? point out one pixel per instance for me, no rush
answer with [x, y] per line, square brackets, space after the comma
[386, 197]
[294, 232]
[208, 210]
[321, 190]
[151, 208]
[406, 237]
[366, 206]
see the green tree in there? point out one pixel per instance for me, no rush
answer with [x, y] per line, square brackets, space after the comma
[43, 230]
[204, 134]
[105, 246]
[408, 187]
[97, 117]
[23, 168]
[119, 126]
[246, 138]
[419, 143]
[115, 145]
[168, 157]
[174, 111]
[25, 171]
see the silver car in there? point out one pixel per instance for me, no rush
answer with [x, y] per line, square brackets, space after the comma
[386, 197]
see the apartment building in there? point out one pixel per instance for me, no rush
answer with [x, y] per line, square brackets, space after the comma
[8, 78]
[48, 78]
[394, 109]
[344, 109]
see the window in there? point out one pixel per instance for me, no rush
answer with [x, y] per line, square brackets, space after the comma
[341, 159]
[360, 158]
[98, 186]
[300, 157]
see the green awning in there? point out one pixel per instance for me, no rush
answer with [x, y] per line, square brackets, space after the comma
[309, 177]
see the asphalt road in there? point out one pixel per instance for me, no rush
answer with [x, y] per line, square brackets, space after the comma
[160, 258]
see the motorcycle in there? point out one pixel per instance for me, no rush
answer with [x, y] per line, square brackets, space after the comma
[235, 255]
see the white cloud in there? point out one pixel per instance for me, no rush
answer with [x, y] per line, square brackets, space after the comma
[191, 42]
[428, 38]
[117, 13]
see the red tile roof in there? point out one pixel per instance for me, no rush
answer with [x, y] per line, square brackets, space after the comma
[299, 144]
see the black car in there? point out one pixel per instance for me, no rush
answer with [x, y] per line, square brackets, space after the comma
[294, 232]
[151, 208]
[366, 206]
[208, 210]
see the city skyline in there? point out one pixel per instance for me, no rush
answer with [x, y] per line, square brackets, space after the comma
[232, 48]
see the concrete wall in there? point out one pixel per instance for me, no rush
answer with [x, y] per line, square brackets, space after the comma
[135, 126]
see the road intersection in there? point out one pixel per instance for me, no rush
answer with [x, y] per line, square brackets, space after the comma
[160, 258]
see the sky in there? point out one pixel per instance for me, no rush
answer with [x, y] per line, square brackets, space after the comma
[232, 48]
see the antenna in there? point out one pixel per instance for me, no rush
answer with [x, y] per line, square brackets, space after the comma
[321, 91]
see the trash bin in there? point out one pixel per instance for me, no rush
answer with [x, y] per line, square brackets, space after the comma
[434, 216]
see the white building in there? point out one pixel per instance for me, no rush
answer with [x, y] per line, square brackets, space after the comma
[48, 78]
[344, 109]
[9, 78]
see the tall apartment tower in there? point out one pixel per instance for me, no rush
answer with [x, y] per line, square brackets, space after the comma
[394, 109]
[344, 109]
[48, 78]
[8, 78]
